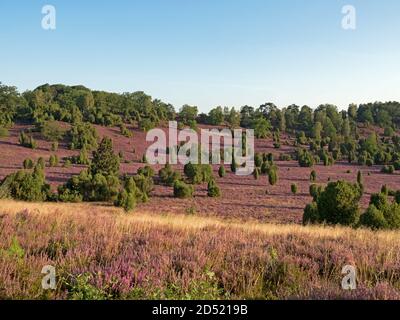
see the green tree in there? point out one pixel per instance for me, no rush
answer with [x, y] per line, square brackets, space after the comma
[105, 161]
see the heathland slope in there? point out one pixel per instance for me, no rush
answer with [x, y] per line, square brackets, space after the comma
[100, 252]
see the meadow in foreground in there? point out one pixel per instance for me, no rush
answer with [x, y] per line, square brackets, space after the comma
[102, 253]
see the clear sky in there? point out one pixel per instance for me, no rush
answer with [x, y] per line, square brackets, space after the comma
[208, 52]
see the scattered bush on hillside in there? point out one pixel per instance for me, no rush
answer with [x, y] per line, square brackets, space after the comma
[26, 186]
[338, 204]
[28, 164]
[82, 135]
[381, 213]
[168, 176]
[213, 190]
[221, 171]
[27, 141]
[183, 190]
[388, 169]
[51, 131]
[305, 158]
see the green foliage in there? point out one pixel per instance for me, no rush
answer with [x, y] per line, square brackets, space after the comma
[381, 214]
[315, 191]
[197, 173]
[40, 163]
[125, 131]
[261, 128]
[126, 200]
[105, 161]
[27, 141]
[53, 160]
[216, 116]
[339, 203]
[28, 164]
[11, 103]
[273, 176]
[306, 159]
[313, 176]
[82, 135]
[88, 187]
[54, 146]
[213, 190]
[188, 113]
[183, 190]
[51, 131]
[311, 214]
[14, 251]
[168, 176]
[81, 288]
[294, 188]
[221, 171]
[373, 218]
[388, 169]
[4, 132]
[26, 186]
[388, 132]
[258, 160]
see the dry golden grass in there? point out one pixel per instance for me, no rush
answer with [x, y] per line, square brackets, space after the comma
[192, 222]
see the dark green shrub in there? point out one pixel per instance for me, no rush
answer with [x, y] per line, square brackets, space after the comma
[125, 131]
[28, 164]
[233, 164]
[313, 176]
[53, 160]
[273, 176]
[40, 163]
[311, 215]
[306, 159]
[339, 203]
[27, 141]
[373, 218]
[26, 186]
[265, 167]
[182, 190]
[168, 176]
[221, 171]
[51, 131]
[82, 134]
[213, 190]
[315, 191]
[147, 171]
[54, 146]
[294, 188]
[105, 161]
[388, 169]
[126, 200]
[258, 160]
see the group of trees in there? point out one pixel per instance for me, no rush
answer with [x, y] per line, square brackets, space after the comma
[100, 182]
[338, 203]
[75, 104]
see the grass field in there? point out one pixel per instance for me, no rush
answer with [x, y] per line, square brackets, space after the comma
[101, 253]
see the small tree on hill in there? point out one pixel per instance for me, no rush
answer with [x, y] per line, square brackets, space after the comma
[105, 161]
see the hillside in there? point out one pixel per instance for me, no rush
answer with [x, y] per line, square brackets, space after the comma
[250, 201]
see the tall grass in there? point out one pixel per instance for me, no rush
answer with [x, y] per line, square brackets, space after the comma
[102, 253]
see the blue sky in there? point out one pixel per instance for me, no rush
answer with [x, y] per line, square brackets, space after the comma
[208, 52]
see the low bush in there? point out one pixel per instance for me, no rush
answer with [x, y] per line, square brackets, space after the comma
[183, 190]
